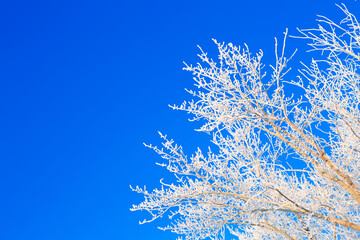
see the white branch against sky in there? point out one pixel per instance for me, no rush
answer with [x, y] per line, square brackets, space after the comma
[249, 183]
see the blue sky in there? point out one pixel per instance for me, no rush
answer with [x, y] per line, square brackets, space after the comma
[84, 83]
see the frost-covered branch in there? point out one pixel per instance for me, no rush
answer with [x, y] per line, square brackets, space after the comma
[261, 131]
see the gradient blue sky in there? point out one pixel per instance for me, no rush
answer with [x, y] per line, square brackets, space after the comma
[84, 83]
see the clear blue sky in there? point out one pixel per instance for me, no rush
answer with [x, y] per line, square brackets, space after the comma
[84, 83]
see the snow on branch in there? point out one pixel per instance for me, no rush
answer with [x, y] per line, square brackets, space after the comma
[251, 186]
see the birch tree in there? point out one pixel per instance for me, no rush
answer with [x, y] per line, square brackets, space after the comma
[263, 126]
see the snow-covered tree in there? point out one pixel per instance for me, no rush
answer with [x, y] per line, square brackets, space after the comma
[265, 126]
